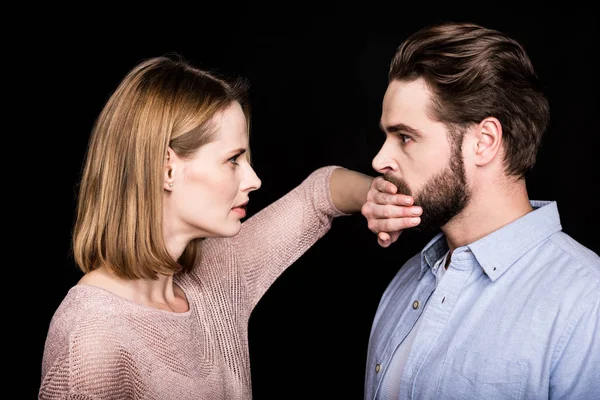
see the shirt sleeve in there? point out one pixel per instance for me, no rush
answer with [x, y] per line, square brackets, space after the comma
[576, 373]
[274, 238]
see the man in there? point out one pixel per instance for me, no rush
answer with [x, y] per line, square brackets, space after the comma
[501, 303]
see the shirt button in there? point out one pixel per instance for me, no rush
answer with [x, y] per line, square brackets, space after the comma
[378, 368]
[415, 304]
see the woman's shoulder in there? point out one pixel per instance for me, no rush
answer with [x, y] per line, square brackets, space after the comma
[88, 319]
[91, 324]
[86, 306]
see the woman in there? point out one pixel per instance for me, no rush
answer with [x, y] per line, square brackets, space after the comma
[171, 274]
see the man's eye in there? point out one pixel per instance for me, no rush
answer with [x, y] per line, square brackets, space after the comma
[405, 139]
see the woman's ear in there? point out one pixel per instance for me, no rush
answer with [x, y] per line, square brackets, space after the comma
[489, 141]
[170, 164]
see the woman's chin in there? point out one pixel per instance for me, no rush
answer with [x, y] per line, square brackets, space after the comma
[234, 230]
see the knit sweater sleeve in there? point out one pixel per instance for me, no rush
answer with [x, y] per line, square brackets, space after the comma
[275, 237]
[85, 357]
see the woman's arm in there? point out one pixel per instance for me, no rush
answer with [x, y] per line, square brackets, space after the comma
[275, 237]
[349, 189]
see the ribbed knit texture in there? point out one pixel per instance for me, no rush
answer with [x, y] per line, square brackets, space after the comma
[101, 346]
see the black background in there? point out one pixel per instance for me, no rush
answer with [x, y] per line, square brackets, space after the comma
[318, 73]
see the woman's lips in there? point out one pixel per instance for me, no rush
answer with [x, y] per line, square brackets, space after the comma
[240, 210]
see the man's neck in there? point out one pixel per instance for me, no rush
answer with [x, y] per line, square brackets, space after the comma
[487, 211]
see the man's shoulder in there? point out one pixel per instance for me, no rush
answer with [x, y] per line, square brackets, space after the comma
[570, 264]
[575, 250]
[412, 265]
[414, 260]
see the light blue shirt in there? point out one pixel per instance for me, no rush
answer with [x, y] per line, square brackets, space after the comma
[516, 316]
[389, 388]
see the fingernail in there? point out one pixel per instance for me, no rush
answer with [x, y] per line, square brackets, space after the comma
[415, 211]
[407, 201]
[415, 220]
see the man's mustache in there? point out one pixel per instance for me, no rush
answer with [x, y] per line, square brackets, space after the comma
[400, 184]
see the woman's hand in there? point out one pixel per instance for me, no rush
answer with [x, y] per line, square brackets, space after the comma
[388, 213]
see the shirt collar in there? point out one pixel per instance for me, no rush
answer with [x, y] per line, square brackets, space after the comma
[497, 251]
[432, 252]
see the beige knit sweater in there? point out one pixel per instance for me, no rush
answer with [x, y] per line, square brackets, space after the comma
[101, 346]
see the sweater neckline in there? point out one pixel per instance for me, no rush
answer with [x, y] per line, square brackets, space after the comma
[131, 303]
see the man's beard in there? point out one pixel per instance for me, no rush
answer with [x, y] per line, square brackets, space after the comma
[442, 197]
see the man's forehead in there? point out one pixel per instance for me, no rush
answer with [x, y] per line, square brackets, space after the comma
[404, 103]
[401, 93]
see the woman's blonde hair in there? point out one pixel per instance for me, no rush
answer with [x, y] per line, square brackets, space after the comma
[162, 102]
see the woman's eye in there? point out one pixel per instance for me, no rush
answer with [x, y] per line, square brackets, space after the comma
[234, 159]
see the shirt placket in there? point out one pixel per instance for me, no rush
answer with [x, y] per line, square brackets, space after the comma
[435, 316]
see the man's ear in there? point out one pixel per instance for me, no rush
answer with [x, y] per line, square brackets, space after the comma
[489, 141]
[170, 164]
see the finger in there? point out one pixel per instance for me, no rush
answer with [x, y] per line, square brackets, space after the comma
[394, 236]
[379, 211]
[404, 199]
[384, 236]
[384, 186]
[385, 239]
[378, 197]
[393, 224]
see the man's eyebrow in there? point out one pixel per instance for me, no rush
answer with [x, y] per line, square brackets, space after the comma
[400, 129]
